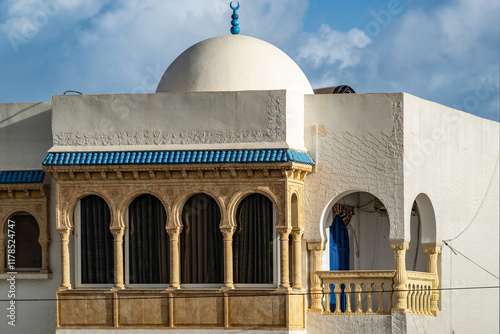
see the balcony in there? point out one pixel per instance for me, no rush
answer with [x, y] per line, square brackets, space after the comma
[373, 292]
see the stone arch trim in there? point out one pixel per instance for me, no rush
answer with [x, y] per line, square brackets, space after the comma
[298, 223]
[181, 200]
[126, 200]
[35, 202]
[68, 209]
[236, 200]
[19, 209]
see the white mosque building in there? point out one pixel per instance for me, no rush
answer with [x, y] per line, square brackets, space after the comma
[238, 199]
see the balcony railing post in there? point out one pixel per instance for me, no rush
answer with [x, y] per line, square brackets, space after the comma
[359, 307]
[316, 248]
[338, 291]
[380, 298]
[369, 302]
[327, 291]
[401, 276]
[432, 251]
[348, 290]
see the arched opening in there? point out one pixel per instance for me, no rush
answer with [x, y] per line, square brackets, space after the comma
[415, 257]
[366, 220]
[146, 242]
[428, 219]
[201, 242]
[357, 229]
[294, 203]
[94, 241]
[28, 251]
[253, 241]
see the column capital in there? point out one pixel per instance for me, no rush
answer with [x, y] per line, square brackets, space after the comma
[174, 232]
[431, 248]
[316, 245]
[227, 232]
[118, 233]
[284, 232]
[64, 232]
[297, 233]
[399, 246]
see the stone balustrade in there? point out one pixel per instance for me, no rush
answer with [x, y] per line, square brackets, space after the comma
[371, 292]
[420, 289]
[366, 292]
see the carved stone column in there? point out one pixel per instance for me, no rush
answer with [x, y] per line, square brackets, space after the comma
[118, 237]
[285, 265]
[3, 243]
[174, 233]
[65, 261]
[45, 256]
[433, 251]
[316, 249]
[227, 232]
[401, 276]
[297, 258]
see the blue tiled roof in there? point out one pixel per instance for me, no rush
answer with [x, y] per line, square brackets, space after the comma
[34, 176]
[176, 157]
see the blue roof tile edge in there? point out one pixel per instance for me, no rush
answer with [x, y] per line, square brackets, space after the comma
[176, 157]
[25, 176]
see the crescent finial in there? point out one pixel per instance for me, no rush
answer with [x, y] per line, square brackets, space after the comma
[235, 30]
[231, 5]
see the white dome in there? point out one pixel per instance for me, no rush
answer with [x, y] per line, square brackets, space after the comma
[233, 63]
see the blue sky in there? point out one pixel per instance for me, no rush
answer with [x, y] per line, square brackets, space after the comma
[447, 51]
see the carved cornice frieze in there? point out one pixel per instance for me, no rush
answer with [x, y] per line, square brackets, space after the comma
[275, 132]
[162, 173]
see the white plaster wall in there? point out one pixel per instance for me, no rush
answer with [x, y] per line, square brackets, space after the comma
[357, 141]
[295, 120]
[452, 157]
[25, 135]
[38, 314]
[208, 120]
[352, 324]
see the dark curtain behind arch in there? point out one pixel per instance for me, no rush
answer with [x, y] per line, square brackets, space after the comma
[148, 241]
[253, 241]
[28, 250]
[96, 241]
[201, 241]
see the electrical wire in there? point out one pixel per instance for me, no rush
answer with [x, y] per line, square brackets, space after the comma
[456, 251]
[481, 204]
[242, 295]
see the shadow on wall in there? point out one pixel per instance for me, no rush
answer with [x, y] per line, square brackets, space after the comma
[25, 139]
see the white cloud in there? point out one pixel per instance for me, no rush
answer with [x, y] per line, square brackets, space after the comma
[329, 47]
[441, 54]
[105, 46]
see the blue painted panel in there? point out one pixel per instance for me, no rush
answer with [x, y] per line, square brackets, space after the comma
[176, 157]
[34, 176]
[339, 255]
